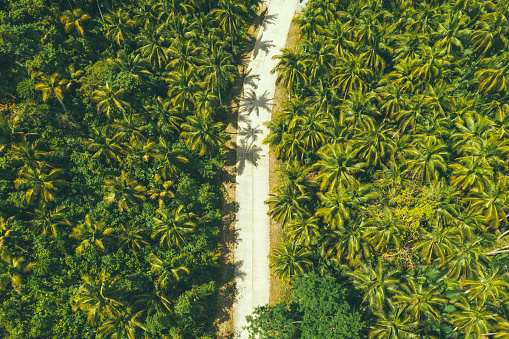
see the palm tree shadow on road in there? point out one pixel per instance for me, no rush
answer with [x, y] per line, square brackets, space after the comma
[253, 103]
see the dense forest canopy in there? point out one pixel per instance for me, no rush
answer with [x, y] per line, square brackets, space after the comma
[395, 165]
[111, 136]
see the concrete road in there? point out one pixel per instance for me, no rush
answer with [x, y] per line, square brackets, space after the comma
[252, 249]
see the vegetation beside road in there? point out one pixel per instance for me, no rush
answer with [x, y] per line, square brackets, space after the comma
[111, 137]
[394, 180]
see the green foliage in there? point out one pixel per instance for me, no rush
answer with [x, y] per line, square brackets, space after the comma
[319, 309]
[395, 129]
[93, 164]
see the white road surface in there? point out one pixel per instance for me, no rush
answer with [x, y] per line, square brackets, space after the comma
[252, 223]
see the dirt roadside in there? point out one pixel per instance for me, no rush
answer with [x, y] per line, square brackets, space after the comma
[279, 288]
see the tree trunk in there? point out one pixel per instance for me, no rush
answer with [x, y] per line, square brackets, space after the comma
[231, 36]
[100, 9]
[219, 94]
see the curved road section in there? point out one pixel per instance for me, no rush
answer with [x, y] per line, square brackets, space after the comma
[252, 249]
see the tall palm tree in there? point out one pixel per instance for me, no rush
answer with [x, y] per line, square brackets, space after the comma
[120, 324]
[287, 203]
[304, 231]
[46, 221]
[30, 153]
[107, 99]
[471, 318]
[488, 286]
[131, 236]
[119, 26]
[74, 19]
[291, 70]
[471, 173]
[440, 243]
[170, 158]
[125, 191]
[164, 113]
[38, 181]
[427, 160]
[105, 147]
[131, 63]
[98, 296]
[351, 74]
[291, 260]
[52, 86]
[377, 283]
[493, 202]
[229, 17]
[374, 143]
[184, 56]
[202, 134]
[154, 45]
[168, 270]
[11, 272]
[219, 71]
[420, 301]
[183, 87]
[173, 227]
[91, 234]
[337, 167]
[393, 325]
[385, 231]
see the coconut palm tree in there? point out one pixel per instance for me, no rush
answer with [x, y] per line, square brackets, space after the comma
[488, 286]
[184, 56]
[202, 134]
[52, 86]
[107, 99]
[98, 296]
[420, 301]
[351, 74]
[104, 147]
[91, 234]
[393, 325]
[427, 161]
[471, 173]
[219, 71]
[132, 63]
[385, 231]
[125, 191]
[173, 226]
[12, 270]
[168, 271]
[74, 19]
[46, 221]
[39, 182]
[337, 167]
[154, 45]
[377, 283]
[287, 203]
[119, 27]
[171, 158]
[131, 236]
[471, 318]
[440, 243]
[120, 324]
[291, 260]
[30, 153]
[291, 70]
[229, 17]
[183, 88]
[164, 113]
